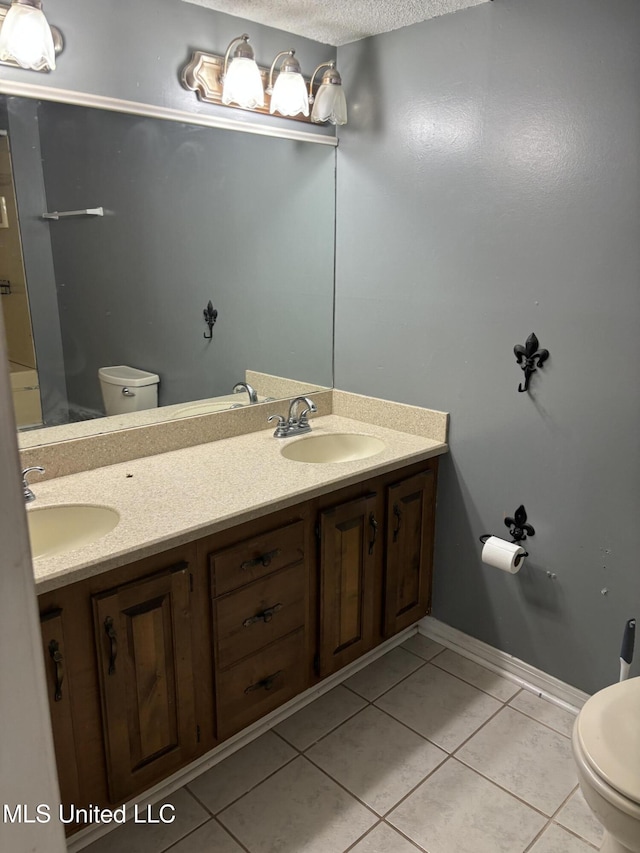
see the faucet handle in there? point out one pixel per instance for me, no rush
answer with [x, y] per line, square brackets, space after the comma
[311, 409]
[28, 494]
[281, 430]
[294, 418]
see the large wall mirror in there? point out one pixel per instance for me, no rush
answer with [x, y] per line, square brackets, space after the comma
[189, 215]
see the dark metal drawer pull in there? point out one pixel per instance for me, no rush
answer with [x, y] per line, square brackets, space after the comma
[398, 515]
[374, 532]
[113, 643]
[262, 560]
[56, 657]
[263, 616]
[264, 683]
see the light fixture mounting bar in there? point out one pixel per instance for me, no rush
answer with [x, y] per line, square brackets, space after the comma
[202, 75]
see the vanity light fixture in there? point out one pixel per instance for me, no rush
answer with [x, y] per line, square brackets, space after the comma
[26, 39]
[289, 93]
[235, 80]
[241, 79]
[329, 102]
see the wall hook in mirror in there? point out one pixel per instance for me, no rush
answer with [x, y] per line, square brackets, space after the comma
[64, 214]
[210, 317]
[529, 357]
[518, 527]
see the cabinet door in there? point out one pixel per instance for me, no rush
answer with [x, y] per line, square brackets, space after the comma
[60, 706]
[410, 515]
[348, 534]
[143, 638]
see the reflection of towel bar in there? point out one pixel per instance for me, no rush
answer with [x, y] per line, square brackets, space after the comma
[90, 211]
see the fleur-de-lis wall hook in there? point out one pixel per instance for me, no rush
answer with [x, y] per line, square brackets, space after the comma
[210, 317]
[529, 357]
[518, 526]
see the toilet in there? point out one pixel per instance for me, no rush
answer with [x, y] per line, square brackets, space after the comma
[127, 389]
[606, 748]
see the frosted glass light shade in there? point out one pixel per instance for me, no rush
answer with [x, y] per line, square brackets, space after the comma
[25, 38]
[330, 104]
[243, 84]
[289, 96]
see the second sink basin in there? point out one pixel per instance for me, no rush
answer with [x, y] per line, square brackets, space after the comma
[336, 447]
[57, 529]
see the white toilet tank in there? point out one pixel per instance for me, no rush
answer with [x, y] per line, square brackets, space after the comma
[127, 389]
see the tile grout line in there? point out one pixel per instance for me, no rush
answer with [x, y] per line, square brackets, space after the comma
[552, 821]
[395, 684]
[215, 819]
[535, 719]
[383, 822]
[331, 731]
[561, 806]
[471, 683]
[244, 793]
[362, 837]
[212, 819]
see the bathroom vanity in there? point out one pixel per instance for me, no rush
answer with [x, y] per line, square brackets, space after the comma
[157, 654]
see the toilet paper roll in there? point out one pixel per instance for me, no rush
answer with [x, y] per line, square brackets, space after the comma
[503, 555]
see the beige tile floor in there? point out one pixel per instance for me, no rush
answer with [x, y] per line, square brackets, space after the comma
[423, 750]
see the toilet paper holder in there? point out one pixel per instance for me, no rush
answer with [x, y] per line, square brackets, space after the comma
[518, 528]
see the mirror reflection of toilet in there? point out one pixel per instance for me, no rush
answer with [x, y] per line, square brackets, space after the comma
[606, 748]
[127, 389]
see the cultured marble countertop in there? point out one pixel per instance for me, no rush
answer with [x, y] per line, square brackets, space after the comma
[183, 495]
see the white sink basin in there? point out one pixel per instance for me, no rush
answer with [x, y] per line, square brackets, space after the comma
[336, 447]
[202, 409]
[57, 529]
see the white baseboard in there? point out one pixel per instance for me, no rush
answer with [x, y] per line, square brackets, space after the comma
[504, 664]
[168, 786]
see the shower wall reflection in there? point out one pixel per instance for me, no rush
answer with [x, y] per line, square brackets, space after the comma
[14, 300]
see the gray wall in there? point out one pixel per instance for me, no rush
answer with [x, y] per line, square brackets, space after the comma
[488, 188]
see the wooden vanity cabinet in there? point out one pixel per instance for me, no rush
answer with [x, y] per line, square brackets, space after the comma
[152, 664]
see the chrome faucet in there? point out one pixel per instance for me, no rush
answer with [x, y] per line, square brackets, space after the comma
[239, 387]
[295, 424]
[28, 494]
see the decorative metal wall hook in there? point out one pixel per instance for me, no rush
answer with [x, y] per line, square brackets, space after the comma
[529, 357]
[518, 526]
[210, 317]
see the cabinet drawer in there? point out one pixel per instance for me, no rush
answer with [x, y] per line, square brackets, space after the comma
[255, 558]
[258, 684]
[258, 614]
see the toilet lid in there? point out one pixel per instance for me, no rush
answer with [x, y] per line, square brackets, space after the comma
[608, 727]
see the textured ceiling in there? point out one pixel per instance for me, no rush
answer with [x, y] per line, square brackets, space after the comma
[336, 22]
